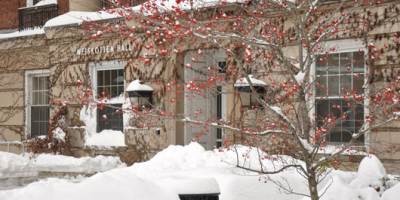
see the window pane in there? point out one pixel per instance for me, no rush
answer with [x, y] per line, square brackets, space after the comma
[345, 63]
[107, 77]
[335, 107]
[100, 78]
[321, 86]
[359, 113]
[333, 63]
[121, 77]
[322, 109]
[333, 84]
[321, 65]
[335, 135]
[110, 118]
[358, 82]
[35, 83]
[39, 120]
[345, 84]
[358, 62]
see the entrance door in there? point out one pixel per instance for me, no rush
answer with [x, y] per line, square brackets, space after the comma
[206, 104]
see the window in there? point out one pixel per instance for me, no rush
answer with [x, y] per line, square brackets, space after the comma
[109, 84]
[38, 108]
[339, 76]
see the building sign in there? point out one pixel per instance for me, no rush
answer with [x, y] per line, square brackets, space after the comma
[103, 49]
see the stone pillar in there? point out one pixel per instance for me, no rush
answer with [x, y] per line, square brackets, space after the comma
[146, 142]
[76, 136]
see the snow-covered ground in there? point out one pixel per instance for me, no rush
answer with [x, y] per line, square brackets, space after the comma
[191, 169]
[13, 165]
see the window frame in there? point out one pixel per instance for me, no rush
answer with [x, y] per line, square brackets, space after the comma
[341, 46]
[94, 68]
[29, 74]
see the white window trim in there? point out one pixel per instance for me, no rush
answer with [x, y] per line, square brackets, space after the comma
[94, 67]
[28, 88]
[342, 46]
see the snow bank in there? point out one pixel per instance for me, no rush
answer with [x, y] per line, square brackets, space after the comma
[13, 165]
[192, 169]
[60, 163]
[103, 186]
[105, 138]
[29, 32]
[194, 162]
[392, 193]
[371, 173]
[369, 183]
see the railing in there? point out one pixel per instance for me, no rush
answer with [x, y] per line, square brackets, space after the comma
[36, 16]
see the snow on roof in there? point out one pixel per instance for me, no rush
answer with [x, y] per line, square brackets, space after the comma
[137, 86]
[169, 5]
[45, 2]
[29, 32]
[77, 17]
[242, 82]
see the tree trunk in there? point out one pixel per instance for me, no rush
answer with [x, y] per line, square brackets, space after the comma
[312, 184]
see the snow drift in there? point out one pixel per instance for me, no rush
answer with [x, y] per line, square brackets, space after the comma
[191, 169]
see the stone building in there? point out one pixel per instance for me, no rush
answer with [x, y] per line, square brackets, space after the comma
[39, 71]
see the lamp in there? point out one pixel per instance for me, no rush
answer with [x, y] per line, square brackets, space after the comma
[140, 94]
[243, 87]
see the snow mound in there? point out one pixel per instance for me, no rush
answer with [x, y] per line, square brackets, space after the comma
[13, 165]
[371, 173]
[106, 138]
[103, 186]
[338, 189]
[60, 163]
[392, 193]
[177, 165]
[192, 169]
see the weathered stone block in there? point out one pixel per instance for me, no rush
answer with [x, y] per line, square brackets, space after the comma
[76, 136]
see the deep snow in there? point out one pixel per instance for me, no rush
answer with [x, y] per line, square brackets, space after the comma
[13, 165]
[192, 169]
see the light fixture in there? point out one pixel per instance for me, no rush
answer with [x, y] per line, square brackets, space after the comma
[140, 94]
